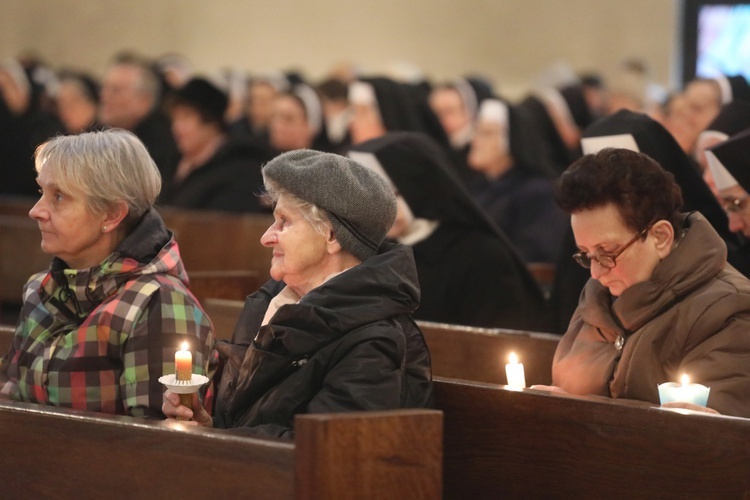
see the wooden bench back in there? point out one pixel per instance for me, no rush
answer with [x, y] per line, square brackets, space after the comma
[501, 443]
[480, 354]
[20, 255]
[69, 454]
[6, 337]
[220, 241]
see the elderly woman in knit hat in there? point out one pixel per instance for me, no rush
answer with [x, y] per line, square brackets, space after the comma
[332, 331]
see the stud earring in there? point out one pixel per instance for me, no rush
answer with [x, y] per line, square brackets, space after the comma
[104, 229]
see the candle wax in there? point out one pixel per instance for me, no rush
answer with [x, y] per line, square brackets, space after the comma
[183, 361]
[515, 374]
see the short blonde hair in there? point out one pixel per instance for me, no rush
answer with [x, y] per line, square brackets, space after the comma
[107, 167]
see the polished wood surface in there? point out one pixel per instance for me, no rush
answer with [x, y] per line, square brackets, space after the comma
[480, 354]
[59, 453]
[390, 455]
[501, 443]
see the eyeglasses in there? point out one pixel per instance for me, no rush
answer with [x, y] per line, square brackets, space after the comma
[732, 204]
[606, 260]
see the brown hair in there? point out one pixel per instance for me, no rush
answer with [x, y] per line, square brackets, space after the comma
[642, 191]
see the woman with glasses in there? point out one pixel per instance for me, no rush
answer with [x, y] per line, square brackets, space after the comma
[661, 301]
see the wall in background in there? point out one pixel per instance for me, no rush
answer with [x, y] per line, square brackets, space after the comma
[510, 41]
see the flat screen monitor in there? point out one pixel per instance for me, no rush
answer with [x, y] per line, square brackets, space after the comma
[716, 38]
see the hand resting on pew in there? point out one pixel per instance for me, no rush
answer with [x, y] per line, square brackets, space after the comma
[548, 388]
[197, 415]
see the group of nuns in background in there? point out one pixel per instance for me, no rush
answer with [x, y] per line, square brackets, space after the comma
[474, 174]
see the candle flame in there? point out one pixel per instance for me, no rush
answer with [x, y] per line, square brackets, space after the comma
[184, 346]
[685, 379]
[513, 358]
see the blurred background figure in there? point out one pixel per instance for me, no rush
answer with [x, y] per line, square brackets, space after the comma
[729, 163]
[469, 272]
[456, 105]
[256, 122]
[334, 97]
[297, 121]
[25, 122]
[175, 70]
[130, 99]
[216, 171]
[78, 102]
[732, 119]
[517, 189]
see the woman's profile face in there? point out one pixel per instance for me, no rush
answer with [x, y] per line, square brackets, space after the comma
[602, 230]
[70, 231]
[298, 249]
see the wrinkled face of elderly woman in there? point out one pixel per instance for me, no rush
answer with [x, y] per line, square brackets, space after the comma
[602, 232]
[70, 230]
[299, 249]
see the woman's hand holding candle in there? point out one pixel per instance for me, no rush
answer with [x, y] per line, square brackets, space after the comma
[196, 413]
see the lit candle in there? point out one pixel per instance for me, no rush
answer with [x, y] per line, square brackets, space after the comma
[514, 372]
[183, 361]
[685, 392]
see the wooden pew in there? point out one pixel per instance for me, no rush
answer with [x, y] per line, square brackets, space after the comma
[480, 354]
[20, 255]
[228, 285]
[56, 453]
[220, 240]
[501, 443]
[16, 205]
[6, 338]
[224, 315]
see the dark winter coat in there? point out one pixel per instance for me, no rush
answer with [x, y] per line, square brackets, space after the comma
[348, 345]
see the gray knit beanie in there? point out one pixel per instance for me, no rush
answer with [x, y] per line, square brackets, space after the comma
[359, 203]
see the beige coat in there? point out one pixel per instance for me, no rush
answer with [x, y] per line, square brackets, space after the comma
[692, 316]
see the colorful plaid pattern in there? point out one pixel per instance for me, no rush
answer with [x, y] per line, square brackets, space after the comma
[132, 320]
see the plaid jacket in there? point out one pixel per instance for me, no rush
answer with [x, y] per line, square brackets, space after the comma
[99, 339]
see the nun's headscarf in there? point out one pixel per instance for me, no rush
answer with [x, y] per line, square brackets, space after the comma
[421, 173]
[520, 136]
[729, 161]
[732, 119]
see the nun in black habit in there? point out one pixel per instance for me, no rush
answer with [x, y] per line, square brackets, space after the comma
[558, 117]
[469, 272]
[517, 190]
[638, 132]
[381, 105]
[456, 104]
[729, 163]
[732, 119]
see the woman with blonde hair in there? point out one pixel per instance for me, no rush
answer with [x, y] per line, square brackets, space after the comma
[101, 325]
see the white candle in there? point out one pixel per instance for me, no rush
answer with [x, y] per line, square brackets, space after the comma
[183, 361]
[514, 372]
[685, 392]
